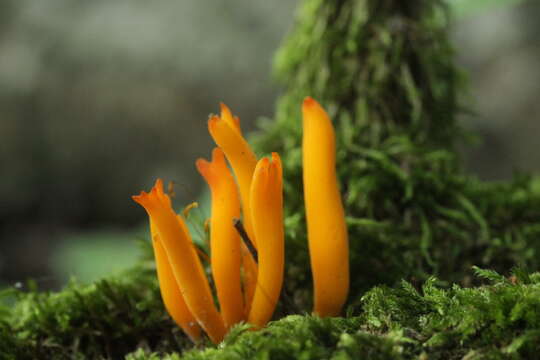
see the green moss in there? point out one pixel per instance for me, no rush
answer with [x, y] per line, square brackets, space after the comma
[495, 321]
[384, 70]
[106, 319]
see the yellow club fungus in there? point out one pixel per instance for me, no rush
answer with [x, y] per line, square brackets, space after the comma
[327, 231]
[183, 260]
[170, 292]
[224, 239]
[267, 216]
[257, 195]
[225, 130]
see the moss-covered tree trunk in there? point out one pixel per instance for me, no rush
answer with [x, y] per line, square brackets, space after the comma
[385, 71]
[384, 67]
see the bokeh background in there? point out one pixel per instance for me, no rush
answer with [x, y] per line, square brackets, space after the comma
[97, 99]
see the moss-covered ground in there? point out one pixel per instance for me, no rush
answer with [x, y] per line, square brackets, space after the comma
[116, 318]
[417, 223]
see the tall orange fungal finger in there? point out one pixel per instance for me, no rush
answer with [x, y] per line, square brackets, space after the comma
[224, 239]
[170, 292]
[242, 159]
[184, 261]
[327, 231]
[267, 215]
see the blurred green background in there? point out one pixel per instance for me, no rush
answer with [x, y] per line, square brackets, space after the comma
[97, 99]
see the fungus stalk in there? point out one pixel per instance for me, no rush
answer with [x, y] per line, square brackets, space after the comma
[225, 131]
[224, 239]
[183, 259]
[267, 215]
[327, 231]
[170, 292]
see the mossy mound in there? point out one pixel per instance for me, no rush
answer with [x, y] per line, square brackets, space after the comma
[106, 319]
[495, 321]
[384, 70]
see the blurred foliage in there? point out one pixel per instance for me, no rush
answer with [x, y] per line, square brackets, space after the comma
[469, 8]
[91, 91]
[94, 255]
[499, 50]
[97, 99]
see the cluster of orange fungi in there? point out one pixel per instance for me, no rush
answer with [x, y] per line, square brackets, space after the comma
[252, 191]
